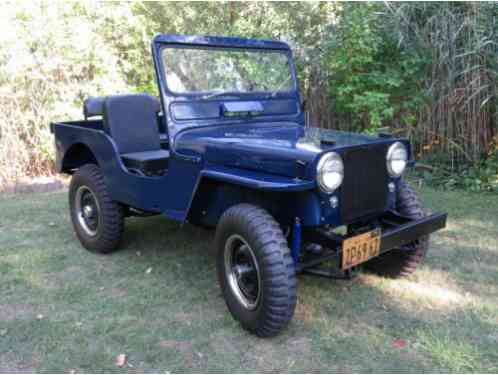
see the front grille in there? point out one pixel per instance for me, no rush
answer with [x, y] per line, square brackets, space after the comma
[364, 189]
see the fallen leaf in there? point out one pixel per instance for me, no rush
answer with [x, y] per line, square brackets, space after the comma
[139, 253]
[39, 316]
[399, 344]
[148, 270]
[72, 371]
[79, 324]
[101, 288]
[121, 360]
[3, 332]
[51, 224]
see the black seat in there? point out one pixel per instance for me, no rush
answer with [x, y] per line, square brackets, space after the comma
[93, 106]
[131, 121]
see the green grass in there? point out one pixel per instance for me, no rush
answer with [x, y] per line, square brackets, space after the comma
[174, 319]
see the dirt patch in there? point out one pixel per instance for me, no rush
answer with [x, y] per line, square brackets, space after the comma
[42, 184]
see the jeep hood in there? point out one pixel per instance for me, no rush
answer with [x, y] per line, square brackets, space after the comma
[286, 149]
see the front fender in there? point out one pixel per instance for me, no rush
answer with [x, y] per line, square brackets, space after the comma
[220, 187]
[257, 180]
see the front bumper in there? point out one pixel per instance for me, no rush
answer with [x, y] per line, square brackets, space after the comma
[404, 231]
[397, 231]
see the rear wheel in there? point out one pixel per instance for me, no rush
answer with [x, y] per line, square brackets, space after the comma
[97, 220]
[403, 262]
[255, 270]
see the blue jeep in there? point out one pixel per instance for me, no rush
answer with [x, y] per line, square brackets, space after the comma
[227, 146]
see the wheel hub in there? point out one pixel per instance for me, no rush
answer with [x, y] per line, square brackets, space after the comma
[242, 272]
[87, 210]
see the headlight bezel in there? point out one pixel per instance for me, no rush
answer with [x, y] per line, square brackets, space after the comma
[323, 167]
[392, 155]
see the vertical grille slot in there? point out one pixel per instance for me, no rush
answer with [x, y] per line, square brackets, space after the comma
[364, 189]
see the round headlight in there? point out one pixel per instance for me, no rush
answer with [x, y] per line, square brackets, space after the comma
[330, 172]
[397, 157]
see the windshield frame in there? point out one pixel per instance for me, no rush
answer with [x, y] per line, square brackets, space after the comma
[244, 94]
[168, 99]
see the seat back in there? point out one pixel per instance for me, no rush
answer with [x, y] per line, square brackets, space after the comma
[131, 121]
[93, 106]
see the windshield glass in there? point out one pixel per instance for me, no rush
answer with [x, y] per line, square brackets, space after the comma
[212, 70]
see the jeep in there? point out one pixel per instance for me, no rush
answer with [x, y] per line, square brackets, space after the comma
[226, 146]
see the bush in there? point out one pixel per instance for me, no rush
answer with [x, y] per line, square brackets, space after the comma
[51, 58]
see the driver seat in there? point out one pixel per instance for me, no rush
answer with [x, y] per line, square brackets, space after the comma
[131, 121]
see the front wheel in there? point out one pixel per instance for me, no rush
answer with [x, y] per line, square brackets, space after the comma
[255, 270]
[97, 220]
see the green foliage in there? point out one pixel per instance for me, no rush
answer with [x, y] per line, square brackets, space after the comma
[370, 76]
[427, 71]
[51, 58]
[480, 177]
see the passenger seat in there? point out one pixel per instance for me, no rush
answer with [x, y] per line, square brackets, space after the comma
[131, 121]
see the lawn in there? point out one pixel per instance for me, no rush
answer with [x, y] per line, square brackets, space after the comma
[158, 301]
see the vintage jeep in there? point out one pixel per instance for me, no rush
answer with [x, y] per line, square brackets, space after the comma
[226, 146]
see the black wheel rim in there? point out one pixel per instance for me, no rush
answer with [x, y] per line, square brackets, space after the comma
[242, 272]
[87, 210]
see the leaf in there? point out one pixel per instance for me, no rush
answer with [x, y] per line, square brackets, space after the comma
[39, 316]
[148, 270]
[399, 344]
[121, 360]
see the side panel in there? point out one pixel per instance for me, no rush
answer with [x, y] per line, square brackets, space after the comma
[169, 194]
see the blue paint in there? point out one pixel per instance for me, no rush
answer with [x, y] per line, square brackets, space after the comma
[296, 241]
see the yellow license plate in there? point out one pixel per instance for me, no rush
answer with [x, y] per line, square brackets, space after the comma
[359, 249]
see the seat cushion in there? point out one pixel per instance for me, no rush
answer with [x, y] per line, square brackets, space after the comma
[148, 162]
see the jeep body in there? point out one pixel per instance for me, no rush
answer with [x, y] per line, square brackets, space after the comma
[230, 131]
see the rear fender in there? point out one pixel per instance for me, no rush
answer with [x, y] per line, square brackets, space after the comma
[75, 157]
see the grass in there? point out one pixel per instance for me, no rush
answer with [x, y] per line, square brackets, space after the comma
[63, 309]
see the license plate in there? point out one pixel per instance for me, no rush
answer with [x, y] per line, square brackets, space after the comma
[359, 249]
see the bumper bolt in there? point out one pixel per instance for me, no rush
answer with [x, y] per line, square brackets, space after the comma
[334, 202]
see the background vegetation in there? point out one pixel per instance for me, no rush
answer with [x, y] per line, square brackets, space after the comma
[425, 70]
